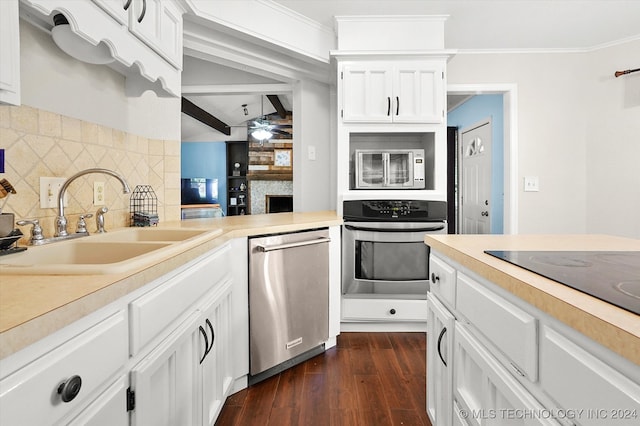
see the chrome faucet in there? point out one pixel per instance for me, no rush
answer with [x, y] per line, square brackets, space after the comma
[61, 220]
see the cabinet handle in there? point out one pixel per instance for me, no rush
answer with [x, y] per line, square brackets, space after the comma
[388, 106]
[444, 330]
[127, 4]
[434, 278]
[206, 344]
[392, 311]
[213, 333]
[70, 388]
[144, 10]
[397, 105]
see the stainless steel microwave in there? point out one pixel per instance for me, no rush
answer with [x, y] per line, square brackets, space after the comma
[389, 169]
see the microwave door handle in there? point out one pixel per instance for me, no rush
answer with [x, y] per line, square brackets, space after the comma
[385, 168]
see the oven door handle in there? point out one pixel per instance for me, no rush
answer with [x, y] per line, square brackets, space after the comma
[397, 227]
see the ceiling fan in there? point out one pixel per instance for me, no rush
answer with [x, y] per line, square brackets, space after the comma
[262, 129]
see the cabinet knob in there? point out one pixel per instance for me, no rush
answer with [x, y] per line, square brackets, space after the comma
[434, 278]
[392, 311]
[69, 389]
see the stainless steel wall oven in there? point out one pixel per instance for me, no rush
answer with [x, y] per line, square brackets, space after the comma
[383, 249]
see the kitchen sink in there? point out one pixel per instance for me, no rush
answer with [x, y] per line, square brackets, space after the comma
[149, 234]
[114, 252]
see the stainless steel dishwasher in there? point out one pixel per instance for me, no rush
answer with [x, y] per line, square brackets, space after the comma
[288, 300]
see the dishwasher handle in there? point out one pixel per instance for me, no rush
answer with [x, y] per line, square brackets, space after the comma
[267, 248]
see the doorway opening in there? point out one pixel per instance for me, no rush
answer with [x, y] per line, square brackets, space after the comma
[510, 164]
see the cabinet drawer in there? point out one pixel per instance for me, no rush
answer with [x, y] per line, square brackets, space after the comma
[577, 380]
[155, 311]
[510, 329]
[108, 409]
[387, 310]
[484, 387]
[443, 280]
[29, 396]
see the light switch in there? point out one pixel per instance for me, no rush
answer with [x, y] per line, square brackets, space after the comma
[311, 150]
[49, 189]
[531, 184]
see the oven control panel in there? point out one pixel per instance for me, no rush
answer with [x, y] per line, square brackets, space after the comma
[394, 210]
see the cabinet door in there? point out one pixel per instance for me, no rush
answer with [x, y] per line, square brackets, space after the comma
[9, 53]
[366, 93]
[163, 381]
[159, 24]
[486, 391]
[116, 9]
[440, 328]
[216, 375]
[418, 93]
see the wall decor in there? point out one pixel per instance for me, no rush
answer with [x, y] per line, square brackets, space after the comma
[282, 157]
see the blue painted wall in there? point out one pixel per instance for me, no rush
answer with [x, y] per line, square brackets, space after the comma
[471, 112]
[206, 160]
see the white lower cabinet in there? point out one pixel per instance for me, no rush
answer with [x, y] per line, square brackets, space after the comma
[185, 379]
[66, 378]
[486, 392]
[108, 409]
[440, 329]
[512, 364]
[167, 354]
[216, 366]
[591, 390]
[163, 382]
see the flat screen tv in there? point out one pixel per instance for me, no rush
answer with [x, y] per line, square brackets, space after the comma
[199, 191]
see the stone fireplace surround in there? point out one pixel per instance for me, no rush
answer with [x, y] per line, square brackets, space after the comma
[260, 189]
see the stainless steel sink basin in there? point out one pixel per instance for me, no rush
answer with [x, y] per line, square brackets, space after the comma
[114, 252]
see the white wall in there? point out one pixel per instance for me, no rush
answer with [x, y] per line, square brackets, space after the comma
[313, 187]
[557, 119]
[53, 81]
[613, 142]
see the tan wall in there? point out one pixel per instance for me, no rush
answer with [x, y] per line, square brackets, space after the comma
[41, 143]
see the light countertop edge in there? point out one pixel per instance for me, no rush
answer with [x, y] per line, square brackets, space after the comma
[612, 327]
[35, 306]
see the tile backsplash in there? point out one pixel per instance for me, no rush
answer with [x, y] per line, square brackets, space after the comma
[41, 143]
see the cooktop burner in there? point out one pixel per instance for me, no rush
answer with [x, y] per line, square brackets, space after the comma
[612, 276]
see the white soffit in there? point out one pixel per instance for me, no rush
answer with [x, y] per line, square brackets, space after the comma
[502, 25]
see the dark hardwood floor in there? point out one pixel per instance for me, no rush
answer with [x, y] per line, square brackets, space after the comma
[367, 379]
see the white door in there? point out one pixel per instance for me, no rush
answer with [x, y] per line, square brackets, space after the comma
[475, 182]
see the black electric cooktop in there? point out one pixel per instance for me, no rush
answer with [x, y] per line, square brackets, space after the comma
[612, 276]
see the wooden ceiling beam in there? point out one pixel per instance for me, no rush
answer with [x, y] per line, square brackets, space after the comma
[192, 110]
[275, 101]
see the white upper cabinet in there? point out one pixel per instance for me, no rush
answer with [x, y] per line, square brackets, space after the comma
[393, 91]
[158, 23]
[9, 53]
[144, 33]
